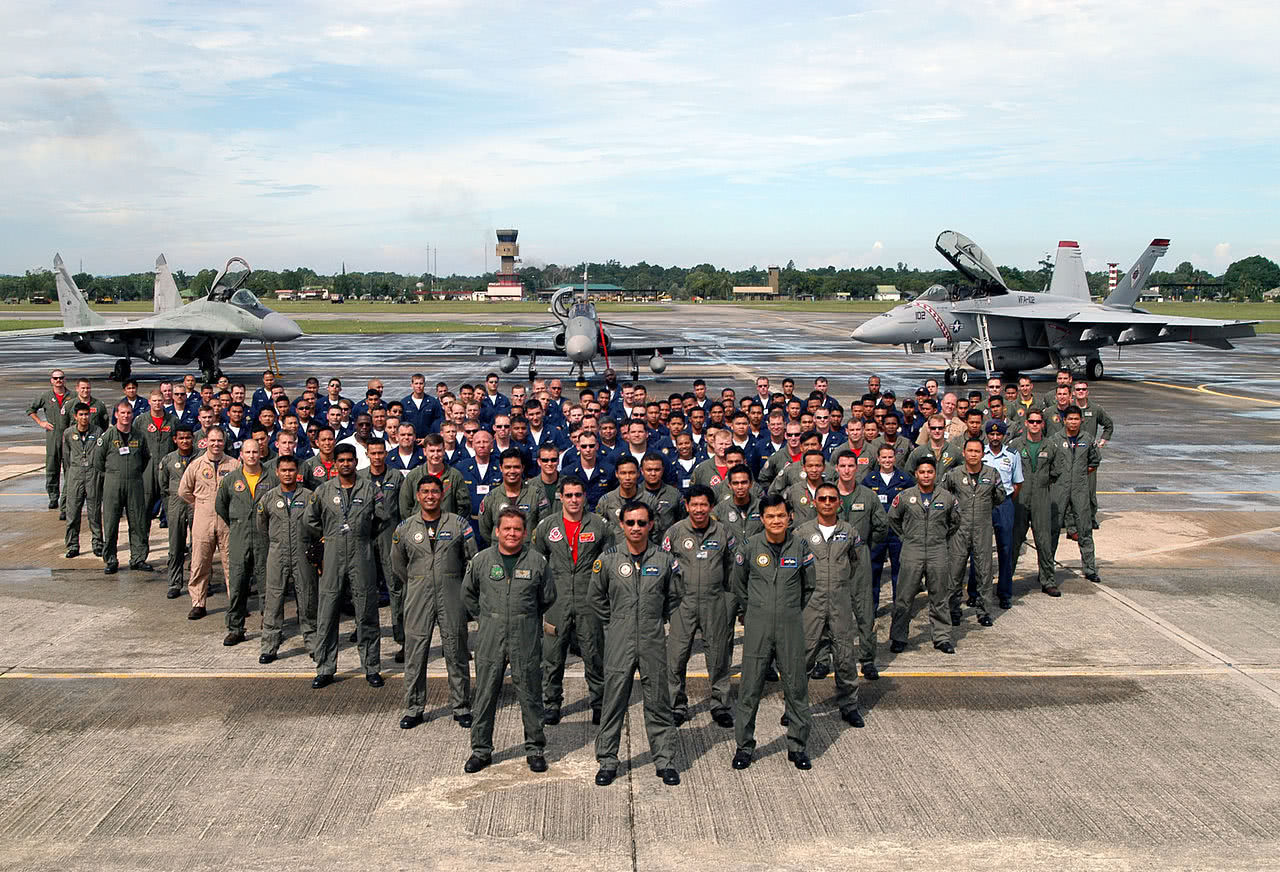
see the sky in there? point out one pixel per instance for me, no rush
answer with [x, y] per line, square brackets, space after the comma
[678, 133]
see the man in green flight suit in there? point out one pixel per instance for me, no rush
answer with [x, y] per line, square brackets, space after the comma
[508, 587]
[177, 510]
[53, 403]
[1033, 505]
[862, 510]
[978, 489]
[344, 513]
[282, 521]
[925, 518]
[1080, 459]
[237, 505]
[705, 548]
[429, 554]
[571, 540]
[773, 578]
[514, 491]
[387, 482]
[80, 484]
[634, 590]
[837, 549]
[121, 461]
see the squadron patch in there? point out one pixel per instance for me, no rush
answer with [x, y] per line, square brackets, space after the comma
[239, 487]
[816, 538]
[417, 537]
[279, 504]
[555, 535]
[733, 516]
[687, 543]
[737, 558]
[912, 500]
[595, 567]
[762, 559]
[337, 501]
[625, 570]
[495, 572]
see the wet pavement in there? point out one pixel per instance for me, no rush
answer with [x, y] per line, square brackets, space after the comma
[1127, 725]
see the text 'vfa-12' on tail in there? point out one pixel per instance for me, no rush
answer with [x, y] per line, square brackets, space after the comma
[995, 329]
[581, 336]
[207, 330]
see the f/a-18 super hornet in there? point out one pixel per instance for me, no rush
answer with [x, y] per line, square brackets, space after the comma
[207, 330]
[580, 336]
[995, 329]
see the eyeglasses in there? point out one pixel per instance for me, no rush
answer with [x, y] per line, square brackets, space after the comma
[632, 522]
[502, 426]
[470, 432]
[58, 377]
[548, 459]
[932, 427]
[1082, 390]
[1035, 420]
[827, 499]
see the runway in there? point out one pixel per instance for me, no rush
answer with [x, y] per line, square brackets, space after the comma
[1129, 725]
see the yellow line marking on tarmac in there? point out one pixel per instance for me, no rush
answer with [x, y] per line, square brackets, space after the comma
[1096, 672]
[1205, 389]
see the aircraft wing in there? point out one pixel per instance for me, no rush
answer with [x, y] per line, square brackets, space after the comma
[542, 342]
[1125, 326]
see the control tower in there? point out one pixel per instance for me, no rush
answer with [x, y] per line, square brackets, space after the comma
[507, 286]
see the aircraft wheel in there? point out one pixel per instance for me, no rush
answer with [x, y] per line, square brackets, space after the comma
[962, 376]
[949, 376]
[1094, 369]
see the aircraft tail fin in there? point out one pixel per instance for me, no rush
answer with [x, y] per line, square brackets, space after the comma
[1131, 285]
[1068, 272]
[167, 297]
[71, 300]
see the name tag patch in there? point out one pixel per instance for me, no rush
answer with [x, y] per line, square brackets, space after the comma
[790, 563]
[587, 537]
[524, 574]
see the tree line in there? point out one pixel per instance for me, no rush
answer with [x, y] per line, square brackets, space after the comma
[1245, 279]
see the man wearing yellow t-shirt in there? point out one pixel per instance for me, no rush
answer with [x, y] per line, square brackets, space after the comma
[237, 505]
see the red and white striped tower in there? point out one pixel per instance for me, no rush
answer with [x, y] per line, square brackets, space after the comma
[1113, 277]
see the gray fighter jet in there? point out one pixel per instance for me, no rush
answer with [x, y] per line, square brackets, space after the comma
[580, 336]
[995, 329]
[207, 330]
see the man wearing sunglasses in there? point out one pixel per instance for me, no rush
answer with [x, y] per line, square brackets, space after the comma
[1033, 503]
[634, 590]
[837, 550]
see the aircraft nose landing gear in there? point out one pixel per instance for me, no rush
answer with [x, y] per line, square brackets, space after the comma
[121, 371]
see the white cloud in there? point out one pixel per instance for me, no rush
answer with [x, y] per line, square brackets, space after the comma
[299, 129]
[1222, 252]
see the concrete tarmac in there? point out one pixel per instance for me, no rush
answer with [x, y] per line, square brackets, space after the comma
[1127, 725]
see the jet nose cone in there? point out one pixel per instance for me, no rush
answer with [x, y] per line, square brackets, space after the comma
[865, 331]
[278, 328]
[580, 348]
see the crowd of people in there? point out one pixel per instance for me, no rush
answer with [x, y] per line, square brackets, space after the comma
[608, 523]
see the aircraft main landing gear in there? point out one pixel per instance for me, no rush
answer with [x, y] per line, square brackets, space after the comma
[956, 377]
[121, 371]
[1093, 368]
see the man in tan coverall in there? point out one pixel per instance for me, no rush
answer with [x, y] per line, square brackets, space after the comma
[199, 488]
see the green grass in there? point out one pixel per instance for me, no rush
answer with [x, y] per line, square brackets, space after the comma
[20, 324]
[352, 325]
[852, 306]
[1241, 311]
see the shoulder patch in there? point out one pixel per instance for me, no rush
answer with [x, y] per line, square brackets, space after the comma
[595, 567]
